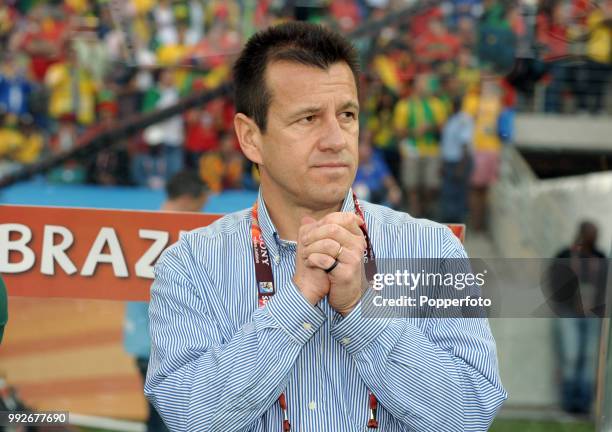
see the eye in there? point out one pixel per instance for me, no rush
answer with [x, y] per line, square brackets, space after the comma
[348, 115]
[307, 120]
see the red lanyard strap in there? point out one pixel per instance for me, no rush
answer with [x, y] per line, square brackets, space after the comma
[266, 289]
[263, 269]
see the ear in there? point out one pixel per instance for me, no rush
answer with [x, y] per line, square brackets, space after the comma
[249, 137]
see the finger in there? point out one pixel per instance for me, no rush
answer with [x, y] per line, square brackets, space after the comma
[308, 224]
[321, 261]
[335, 232]
[350, 221]
[349, 263]
[326, 246]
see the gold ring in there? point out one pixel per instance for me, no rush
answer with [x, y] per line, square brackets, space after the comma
[338, 253]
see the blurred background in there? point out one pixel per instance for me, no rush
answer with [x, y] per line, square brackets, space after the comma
[493, 113]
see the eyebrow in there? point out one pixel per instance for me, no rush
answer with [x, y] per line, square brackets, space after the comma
[350, 104]
[315, 109]
[305, 111]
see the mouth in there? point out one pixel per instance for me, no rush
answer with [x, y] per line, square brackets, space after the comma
[332, 165]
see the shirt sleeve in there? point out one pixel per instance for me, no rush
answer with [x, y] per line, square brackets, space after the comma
[443, 376]
[204, 376]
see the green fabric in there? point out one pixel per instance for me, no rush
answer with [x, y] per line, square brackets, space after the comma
[150, 99]
[3, 308]
[429, 138]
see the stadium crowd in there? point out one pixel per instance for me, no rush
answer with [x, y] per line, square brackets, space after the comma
[438, 94]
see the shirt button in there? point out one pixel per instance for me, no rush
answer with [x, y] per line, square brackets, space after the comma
[276, 259]
[345, 341]
[312, 405]
[307, 326]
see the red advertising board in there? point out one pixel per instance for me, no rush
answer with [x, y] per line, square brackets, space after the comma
[86, 253]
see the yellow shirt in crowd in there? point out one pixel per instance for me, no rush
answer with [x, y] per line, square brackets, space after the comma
[19, 147]
[599, 46]
[61, 100]
[413, 111]
[485, 111]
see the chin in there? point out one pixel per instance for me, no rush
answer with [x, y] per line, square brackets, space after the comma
[329, 195]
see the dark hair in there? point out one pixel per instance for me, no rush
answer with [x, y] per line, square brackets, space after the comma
[299, 42]
[185, 183]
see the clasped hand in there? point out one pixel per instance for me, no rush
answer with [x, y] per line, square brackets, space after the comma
[318, 245]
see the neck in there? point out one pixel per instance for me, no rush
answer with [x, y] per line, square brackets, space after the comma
[286, 214]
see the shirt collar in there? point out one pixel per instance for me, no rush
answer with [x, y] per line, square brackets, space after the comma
[269, 232]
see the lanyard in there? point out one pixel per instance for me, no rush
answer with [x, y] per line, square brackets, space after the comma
[266, 289]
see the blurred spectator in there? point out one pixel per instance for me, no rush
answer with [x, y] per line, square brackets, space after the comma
[43, 38]
[31, 145]
[417, 120]
[496, 39]
[64, 140]
[176, 51]
[578, 284]
[457, 161]
[223, 169]
[466, 33]
[15, 88]
[599, 59]
[553, 35]
[346, 13]
[164, 23]
[111, 165]
[373, 181]
[201, 135]
[20, 143]
[467, 71]
[72, 90]
[165, 139]
[466, 10]
[92, 55]
[8, 18]
[185, 193]
[232, 160]
[436, 45]
[380, 126]
[485, 106]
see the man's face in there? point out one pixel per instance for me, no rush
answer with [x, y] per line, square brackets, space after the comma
[309, 150]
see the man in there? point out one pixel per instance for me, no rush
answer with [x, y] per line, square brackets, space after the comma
[485, 107]
[456, 154]
[165, 139]
[186, 193]
[229, 356]
[417, 121]
[578, 278]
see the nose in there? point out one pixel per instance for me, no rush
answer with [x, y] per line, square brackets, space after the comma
[332, 138]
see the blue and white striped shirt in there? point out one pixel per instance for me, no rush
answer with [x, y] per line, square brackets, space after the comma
[218, 363]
